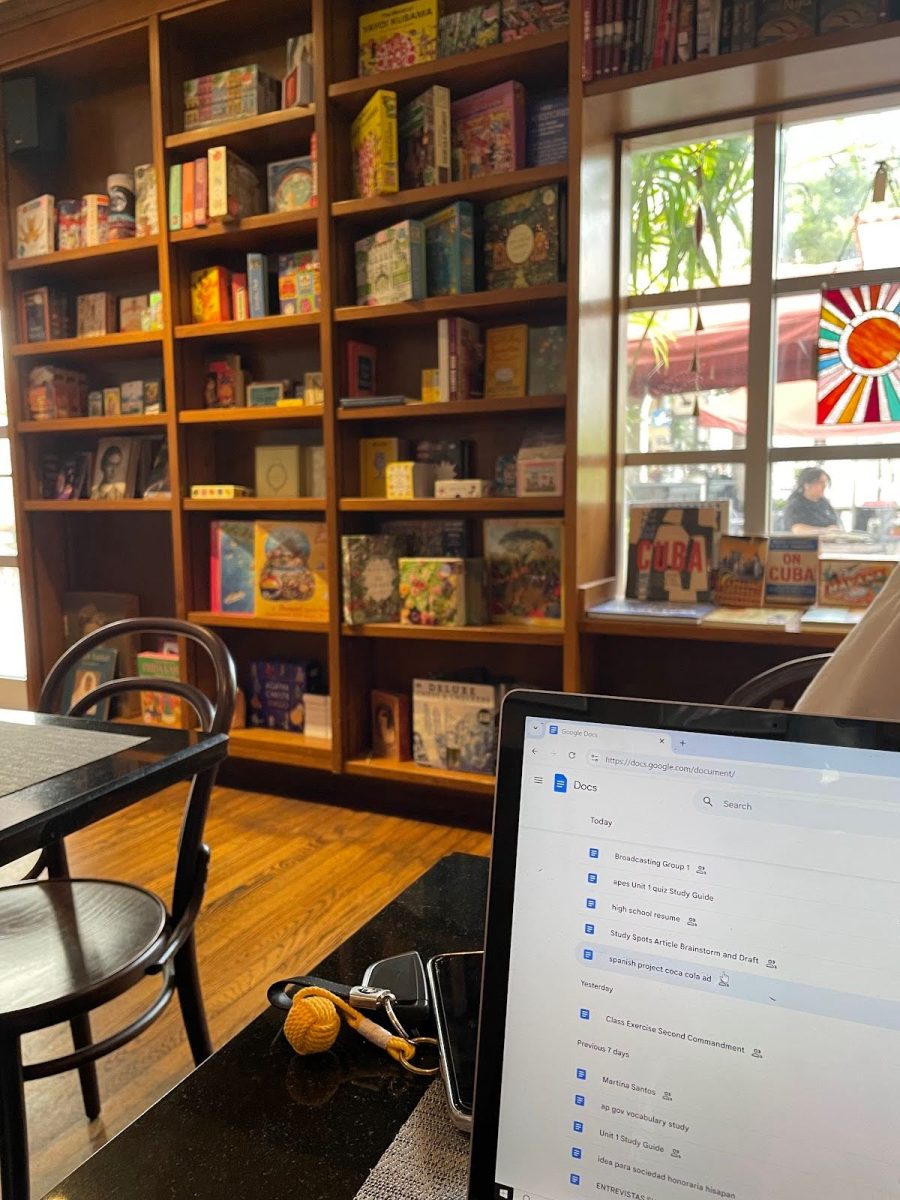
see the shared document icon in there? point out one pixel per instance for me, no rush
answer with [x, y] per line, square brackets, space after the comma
[560, 783]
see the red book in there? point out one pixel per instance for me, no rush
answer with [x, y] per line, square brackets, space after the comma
[240, 298]
[587, 40]
[361, 362]
[660, 38]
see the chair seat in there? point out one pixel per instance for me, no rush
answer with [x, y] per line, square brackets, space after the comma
[65, 938]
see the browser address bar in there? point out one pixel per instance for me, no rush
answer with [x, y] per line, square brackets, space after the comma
[827, 813]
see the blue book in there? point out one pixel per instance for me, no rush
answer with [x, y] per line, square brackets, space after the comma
[548, 130]
[450, 250]
[258, 284]
[651, 610]
[792, 569]
[232, 573]
[277, 690]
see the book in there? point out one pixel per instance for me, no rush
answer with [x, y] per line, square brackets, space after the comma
[258, 284]
[299, 286]
[488, 131]
[374, 148]
[451, 459]
[240, 297]
[211, 295]
[291, 569]
[154, 400]
[450, 250]
[455, 725]
[399, 36]
[201, 191]
[314, 481]
[506, 361]
[232, 575]
[160, 708]
[460, 359]
[432, 591]
[834, 16]
[95, 208]
[547, 349]
[277, 694]
[474, 28]
[547, 137]
[36, 227]
[740, 579]
[522, 245]
[292, 184]
[131, 313]
[233, 186]
[375, 401]
[428, 538]
[650, 610]
[43, 315]
[362, 360]
[709, 14]
[96, 314]
[408, 480]
[778, 21]
[85, 612]
[792, 569]
[787, 619]
[317, 715]
[277, 470]
[225, 385]
[115, 470]
[390, 265]
[298, 87]
[97, 666]
[830, 620]
[523, 18]
[670, 553]
[423, 128]
[175, 174]
[524, 560]
[390, 726]
[374, 455]
[686, 31]
[852, 582]
[370, 578]
[158, 484]
[132, 397]
[70, 475]
[188, 171]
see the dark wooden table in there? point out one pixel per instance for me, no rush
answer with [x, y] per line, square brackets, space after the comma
[38, 815]
[258, 1122]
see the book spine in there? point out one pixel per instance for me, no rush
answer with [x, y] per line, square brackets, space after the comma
[215, 570]
[187, 194]
[442, 144]
[257, 285]
[628, 36]
[175, 197]
[618, 38]
[602, 38]
[217, 182]
[686, 38]
[453, 357]
[671, 49]
[726, 27]
[201, 190]
[443, 347]
[587, 40]
[650, 21]
[636, 60]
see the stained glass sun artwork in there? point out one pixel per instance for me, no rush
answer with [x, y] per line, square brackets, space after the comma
[859, 355]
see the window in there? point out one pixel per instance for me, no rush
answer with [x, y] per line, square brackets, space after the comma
[732, 233]
[12, 637]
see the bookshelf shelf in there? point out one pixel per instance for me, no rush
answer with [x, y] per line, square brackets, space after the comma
[410, 772]
[98, 506]
[235, 417]
[249, 504]
[452, 409]
[259, 137]
[252, 232]
[124, 255]
[122, 345]
[286, 749]
[501, 303]
[254, 327]
[421, 200]
[511, 634]
[485, 504]
[529, 60]
[761, 635]
[235, 621]
[94, 424]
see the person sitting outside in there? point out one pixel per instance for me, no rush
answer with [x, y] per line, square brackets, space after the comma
[807, 510]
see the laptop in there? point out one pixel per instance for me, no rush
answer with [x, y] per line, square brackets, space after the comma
[692, 958]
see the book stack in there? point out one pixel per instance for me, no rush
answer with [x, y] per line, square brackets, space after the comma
[218, 294]
[119, 468]
[229, 96]
[45, 224]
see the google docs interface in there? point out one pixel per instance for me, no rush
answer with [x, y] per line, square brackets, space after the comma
[704, 984]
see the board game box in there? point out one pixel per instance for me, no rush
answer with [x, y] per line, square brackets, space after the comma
[424, 138]
[524, 570]
[524, 18]
[373, 140]
[291, 569]
[370, 578]
[390, 265]
[472, 29]
[400, 36]
[450, 250]
[488, 131]
[522, 242]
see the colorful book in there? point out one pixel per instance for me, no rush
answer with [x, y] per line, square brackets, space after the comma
[232, 573]
[390, 726]
[792, 569]
[686, 31]
[188, 172]
[293, 184]
[225, 383]
[362, 361]
[522, 244]
[93, 668]
[424, 139]
[400, 36]
[36, 227]
[524, 18]
[374, 455]
[299, 286]
[740, 579]
[524, 561]
[291, 569]
[390, 265]
[547, 351]
[277, 694]
[455, 725]
[258, 284]
[233, 186]
[370, 578]
[837, 15]
[670, 553]
[160, 708]
[831, 620]
[472, 29]
[506, 361]
[146, 201]
[211, 295]
[432, 591]
[373, 140]
[240, 297]
[201, 191]
[450, 250]
[428, 538]
[781, 618]
[845, 581]
[488, 131]
[547, 141]
[650, 610]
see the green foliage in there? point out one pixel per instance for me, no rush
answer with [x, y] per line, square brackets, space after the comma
[818, 213]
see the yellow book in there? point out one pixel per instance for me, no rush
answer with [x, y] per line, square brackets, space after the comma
[398, 37]
[373, 138]
[374, 456]
[506, 361]
[291, 561]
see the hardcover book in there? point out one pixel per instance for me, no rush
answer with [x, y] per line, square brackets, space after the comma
[670, 553]
[780, 21]
[232, 567]
[522, 246]
[373, 140]
[488, 131]
[428, 538]
[432, 591]
[277, 470]
[291, 569]
[792, 571]
[472, 29]
[292, 184]
[390, 726]
[455, 725]
[460, 359]
[225, 385]
[93, 668]
[374, 455]
[370, 578]
[277, 692]
[424, 138]
[450, 250]
[115, 471]
[830, 619]
[400, 36]
[523, 18]
[741, 571]
[361, 363]
[650, 610]
[299, 287]
[211, 295]
[258, 284]
[547, 347]
[506, 361]
[525, 571]
[852, 582]
[36, 227]
[548, 130]
[390, 265]
[160, 708]
[782, 618]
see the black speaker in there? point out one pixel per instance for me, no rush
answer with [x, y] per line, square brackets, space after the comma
[32, 122]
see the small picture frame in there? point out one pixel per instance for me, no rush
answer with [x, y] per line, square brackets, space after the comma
[115, 469]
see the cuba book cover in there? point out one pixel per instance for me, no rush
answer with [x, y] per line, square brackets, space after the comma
[670, 551]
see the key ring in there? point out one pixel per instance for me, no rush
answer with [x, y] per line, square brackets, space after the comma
[387, 1003]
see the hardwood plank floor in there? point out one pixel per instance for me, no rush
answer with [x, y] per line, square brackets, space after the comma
[289, 881]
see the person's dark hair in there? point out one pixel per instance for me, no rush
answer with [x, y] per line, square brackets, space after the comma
[806, 476]
[108, 454]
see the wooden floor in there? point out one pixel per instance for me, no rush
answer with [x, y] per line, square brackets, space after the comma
[289, 881]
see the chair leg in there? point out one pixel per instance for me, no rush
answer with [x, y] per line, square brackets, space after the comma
[87, 1075]
[13, 1130]
[187, 980]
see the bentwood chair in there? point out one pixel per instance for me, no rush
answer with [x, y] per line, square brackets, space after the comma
[68, 945]
[781, 685]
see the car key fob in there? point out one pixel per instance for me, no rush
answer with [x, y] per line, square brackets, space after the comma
[403, 976]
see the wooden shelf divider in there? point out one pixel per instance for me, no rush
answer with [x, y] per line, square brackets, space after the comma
[411, 773]
[91, 256]
[261, 504]
[237, 621]
[111, 343]
[235, 417]
[453, 408]
[139, 423]
[483, 504]
[501, 634]
[487, 304]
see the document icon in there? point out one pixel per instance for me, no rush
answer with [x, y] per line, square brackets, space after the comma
[560, 783]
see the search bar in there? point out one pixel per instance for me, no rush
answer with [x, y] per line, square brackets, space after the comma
[813, 813]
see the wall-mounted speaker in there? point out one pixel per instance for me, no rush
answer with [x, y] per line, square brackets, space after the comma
[32, 122]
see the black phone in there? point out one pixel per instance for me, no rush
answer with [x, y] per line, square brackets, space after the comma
[455, 983]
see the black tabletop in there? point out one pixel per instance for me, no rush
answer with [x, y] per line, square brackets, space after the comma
[256, 1120]
[37, 815]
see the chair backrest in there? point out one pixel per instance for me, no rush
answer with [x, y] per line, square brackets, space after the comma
[784, 682]
[214, 716]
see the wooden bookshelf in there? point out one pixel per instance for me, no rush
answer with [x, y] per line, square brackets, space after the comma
[418, 776]
[77, 507]
[125, 254]
[484, 504]
[136, 424]
[217, 620]
[310, 414]
[453, 409]
[254, 504]
[250, 233]
[510, 634]
[285, 749]
[271, 133]
[239, 331]
[485, 305]
[120, 345]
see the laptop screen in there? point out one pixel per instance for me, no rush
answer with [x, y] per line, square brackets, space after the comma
[704, 969]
